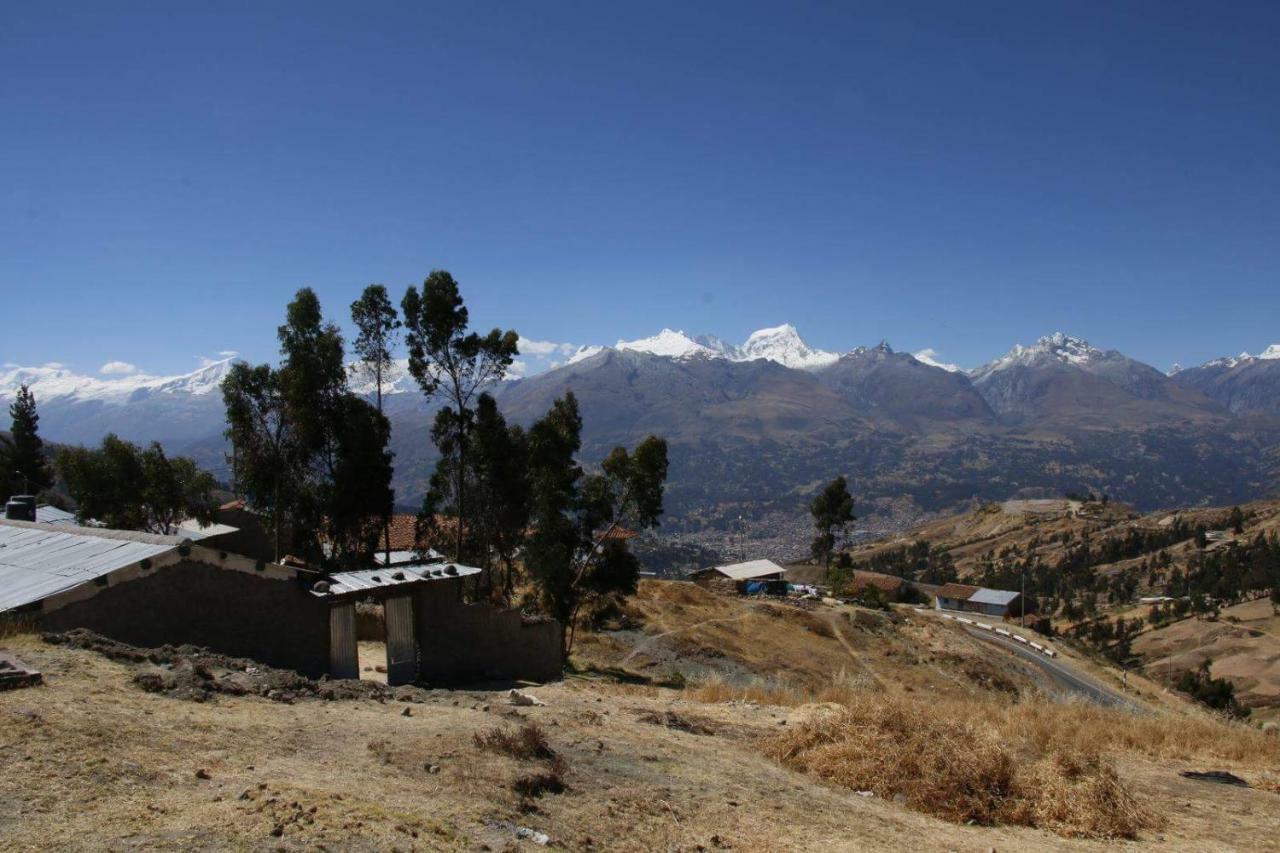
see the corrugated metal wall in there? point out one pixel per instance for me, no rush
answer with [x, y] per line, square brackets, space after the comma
[344, 661]
[402, 641]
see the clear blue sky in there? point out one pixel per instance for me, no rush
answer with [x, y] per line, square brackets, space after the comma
[960, 176]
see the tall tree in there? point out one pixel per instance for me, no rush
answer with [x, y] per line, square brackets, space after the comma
[308, 448]
[262, 442]
[449, 361]
[500, 485]
[377, 325]
[25, 468]
[832, 511]
[131, 488]
[573, 552]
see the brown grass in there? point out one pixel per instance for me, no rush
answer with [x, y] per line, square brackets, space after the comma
[527, 743]
[956, 767]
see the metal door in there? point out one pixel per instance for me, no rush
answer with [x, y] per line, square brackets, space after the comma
[402, 641]
[344, 661]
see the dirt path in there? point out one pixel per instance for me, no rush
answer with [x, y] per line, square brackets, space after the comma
[834, 620]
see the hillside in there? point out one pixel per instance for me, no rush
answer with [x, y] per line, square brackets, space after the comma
[1089, 563]
[755, 428]
[615, 763]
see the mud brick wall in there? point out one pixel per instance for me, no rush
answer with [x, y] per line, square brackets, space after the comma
[232, 612]
[471, 642]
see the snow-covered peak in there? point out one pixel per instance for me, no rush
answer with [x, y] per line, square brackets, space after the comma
[55, 381]
[783, 344]
[584, 353]
[1056, 347]
[929, 356]
[671, 344]
[1271, 353]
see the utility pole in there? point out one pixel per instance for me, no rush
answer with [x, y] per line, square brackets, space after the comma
[1022, 609]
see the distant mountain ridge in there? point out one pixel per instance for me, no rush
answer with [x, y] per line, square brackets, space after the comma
[754, 427]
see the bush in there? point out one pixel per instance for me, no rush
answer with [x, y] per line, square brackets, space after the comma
[953, 766]
[527, 742]
[1216, 693]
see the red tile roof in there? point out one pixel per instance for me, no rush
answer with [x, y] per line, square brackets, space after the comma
[957, 591]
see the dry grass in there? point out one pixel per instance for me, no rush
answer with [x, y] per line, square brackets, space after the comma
[527, 743]
[15, 626]
[960, 768]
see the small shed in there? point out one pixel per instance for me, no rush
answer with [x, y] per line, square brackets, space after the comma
[735, 577]
[977, 599]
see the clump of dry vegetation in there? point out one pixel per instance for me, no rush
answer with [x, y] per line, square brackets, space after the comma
[955, 765]
[528, 743]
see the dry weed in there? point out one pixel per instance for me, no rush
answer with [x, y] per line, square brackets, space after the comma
[529, 742]
[959, 767]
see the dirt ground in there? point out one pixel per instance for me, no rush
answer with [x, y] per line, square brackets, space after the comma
[94, 761]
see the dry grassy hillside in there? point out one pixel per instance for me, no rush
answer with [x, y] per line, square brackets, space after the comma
[1155, 553]
[784, 717]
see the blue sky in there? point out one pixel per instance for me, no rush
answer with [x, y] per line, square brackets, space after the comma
[961, 176]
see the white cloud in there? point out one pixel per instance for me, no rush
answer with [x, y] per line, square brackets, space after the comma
[518, 369]
[931, 356]
[223, 355]
[544, 349]
[118, 368]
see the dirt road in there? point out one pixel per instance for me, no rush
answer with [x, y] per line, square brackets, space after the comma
[1064, 676]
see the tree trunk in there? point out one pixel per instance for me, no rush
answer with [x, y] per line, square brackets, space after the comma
[386, 522]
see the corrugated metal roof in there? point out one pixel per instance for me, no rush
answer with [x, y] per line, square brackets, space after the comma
[196, 531]
[40, 560]
[367, 580]
[992, 596]
[749, 569]
[46, 514]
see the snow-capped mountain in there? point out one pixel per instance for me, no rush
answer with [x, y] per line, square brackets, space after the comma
[669, 344]
[55, 382]
[1245, 384]
[1058, 347]
[783, 344]
[780, 344]
[1061, 377]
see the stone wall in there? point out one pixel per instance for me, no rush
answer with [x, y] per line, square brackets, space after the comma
[471, 642]
[269, 619]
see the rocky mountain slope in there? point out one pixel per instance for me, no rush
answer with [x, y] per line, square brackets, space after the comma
[1244, 384]
[755, 427]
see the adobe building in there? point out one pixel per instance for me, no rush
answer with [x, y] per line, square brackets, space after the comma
[736, 577]
[148, 590]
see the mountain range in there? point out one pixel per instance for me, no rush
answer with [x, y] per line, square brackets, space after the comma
[755, 428]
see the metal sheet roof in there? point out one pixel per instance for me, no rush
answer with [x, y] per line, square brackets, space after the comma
[368, 580]
[196, 531]
[40, 560]
[992, 596]
[46, 514]
[749, 569]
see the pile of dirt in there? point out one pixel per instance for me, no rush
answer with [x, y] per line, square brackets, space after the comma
[198, 674]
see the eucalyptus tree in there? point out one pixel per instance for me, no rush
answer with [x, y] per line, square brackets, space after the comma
[452, 363]
[573, 552]
[832, 511]
[377, 330]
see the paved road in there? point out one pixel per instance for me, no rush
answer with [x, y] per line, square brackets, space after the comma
[1062, 675]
